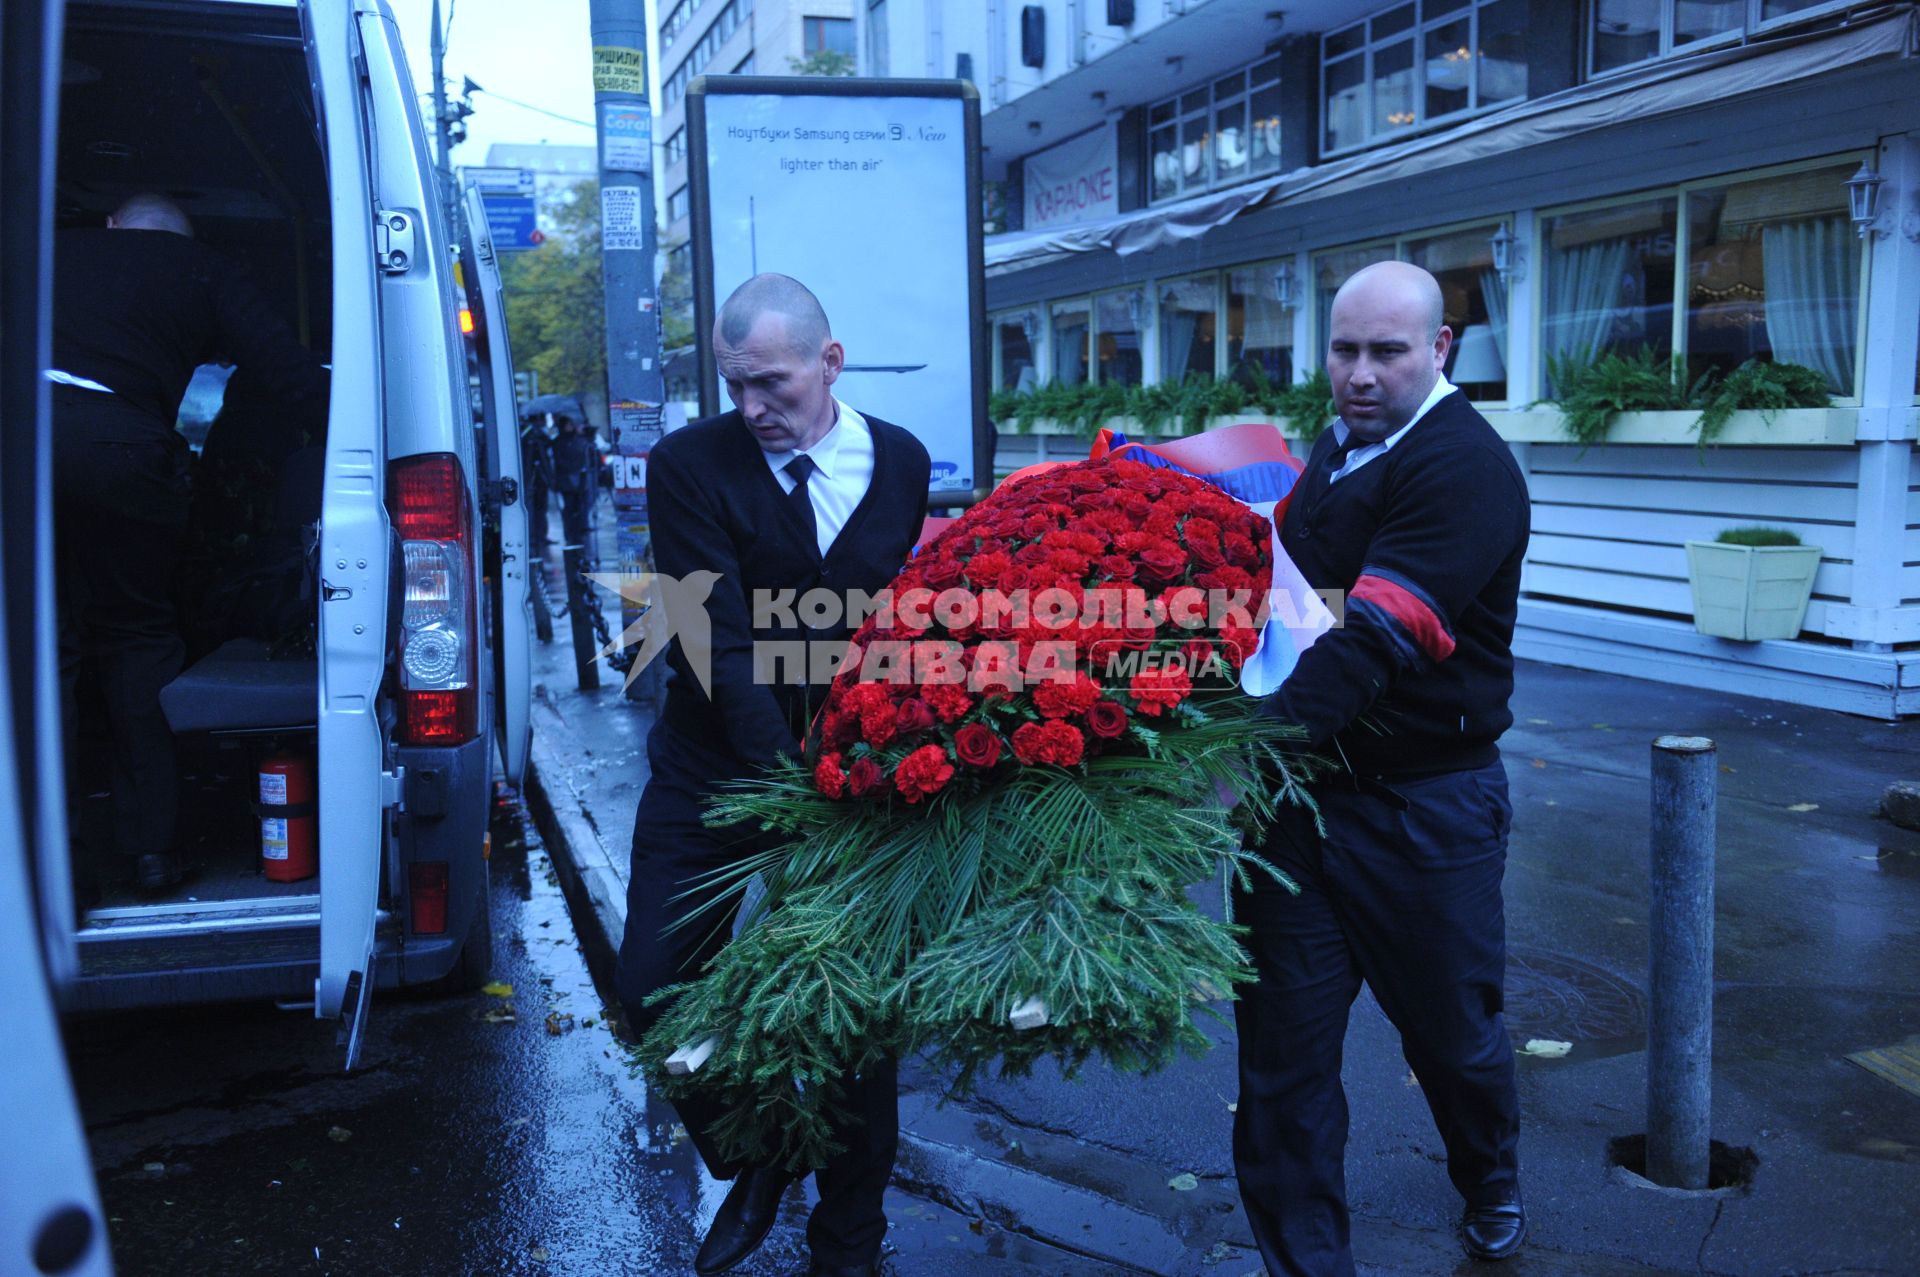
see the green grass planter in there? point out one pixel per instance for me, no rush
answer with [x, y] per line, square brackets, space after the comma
[1751, 583]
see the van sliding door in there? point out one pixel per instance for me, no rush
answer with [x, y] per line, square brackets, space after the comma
[354, 791]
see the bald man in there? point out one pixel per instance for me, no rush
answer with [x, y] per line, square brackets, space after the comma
[792, 491]
[137, 306]
[1412, 505]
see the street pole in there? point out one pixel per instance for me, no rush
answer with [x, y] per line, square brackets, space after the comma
[636, 386]
[1680, 968]
[443, 170]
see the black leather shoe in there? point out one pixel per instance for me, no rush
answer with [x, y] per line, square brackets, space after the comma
[1494, 1231]
[158, 871]
[745, 1218]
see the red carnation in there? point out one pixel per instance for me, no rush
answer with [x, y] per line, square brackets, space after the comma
[912, 716]
[828, 778]
[922, 773]
[976, 745]
[1058, 699]
[865, 778]
[983, 571]
[1155, 690]
[1057, 743]
[947, 700]
[1107, 719]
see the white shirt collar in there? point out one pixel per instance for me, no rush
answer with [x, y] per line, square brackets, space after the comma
[826, 452]
[1441, 389]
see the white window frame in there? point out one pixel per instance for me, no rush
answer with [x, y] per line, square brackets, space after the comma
[1243, 95]
[1037, 343]
[1415, 37]
[1753, 24]
[1683, 246]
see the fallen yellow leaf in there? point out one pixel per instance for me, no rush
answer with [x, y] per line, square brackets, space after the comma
[1804, 807]
[1184, 1182]
[497, 990]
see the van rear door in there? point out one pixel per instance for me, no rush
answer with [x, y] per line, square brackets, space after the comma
[506, 502]
[355, 788]
[50, 1217]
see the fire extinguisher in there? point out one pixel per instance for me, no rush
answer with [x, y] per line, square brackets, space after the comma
[287, 825]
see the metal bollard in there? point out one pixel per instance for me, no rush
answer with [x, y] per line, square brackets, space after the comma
[1680, 968]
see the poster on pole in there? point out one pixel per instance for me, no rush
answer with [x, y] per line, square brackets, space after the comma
[867, 192]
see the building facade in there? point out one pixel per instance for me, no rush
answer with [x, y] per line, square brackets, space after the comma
[1188, 181]
[730, 37]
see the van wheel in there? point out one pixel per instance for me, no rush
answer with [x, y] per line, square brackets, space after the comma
[476, 955]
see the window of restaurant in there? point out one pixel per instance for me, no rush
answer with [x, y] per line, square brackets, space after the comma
[1624, 33]
[1332, 269]
[1016, 337]
[1417, 64]
[1217, 134]
[1259, 328]
[1766, 266]
[1119, 322]
[1072, 340]
[1473, 305]
[1189, 327]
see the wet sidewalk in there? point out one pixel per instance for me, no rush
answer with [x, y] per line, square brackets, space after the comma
[1817, 953]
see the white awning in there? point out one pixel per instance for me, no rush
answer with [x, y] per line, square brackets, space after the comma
[1659, 88]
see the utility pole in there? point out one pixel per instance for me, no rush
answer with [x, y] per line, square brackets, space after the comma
[636, 385]
[443, 169]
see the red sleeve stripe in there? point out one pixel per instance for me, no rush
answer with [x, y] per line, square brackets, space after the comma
[1410, 611]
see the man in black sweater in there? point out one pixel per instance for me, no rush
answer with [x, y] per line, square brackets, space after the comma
[137, 306]
[792, 491]
[1415, 507]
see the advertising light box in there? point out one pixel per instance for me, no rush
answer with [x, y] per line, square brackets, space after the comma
[867, 192]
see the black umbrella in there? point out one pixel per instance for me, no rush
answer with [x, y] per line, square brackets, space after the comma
[557, 405]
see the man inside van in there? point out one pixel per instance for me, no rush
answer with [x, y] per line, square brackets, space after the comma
[137, 305]
[791, 491]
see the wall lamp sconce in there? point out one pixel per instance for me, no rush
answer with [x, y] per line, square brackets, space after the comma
[1863, 202]
[1509, 255]
[1283, 285]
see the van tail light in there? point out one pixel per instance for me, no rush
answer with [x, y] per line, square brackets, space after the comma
[439, 688]
[427, 897]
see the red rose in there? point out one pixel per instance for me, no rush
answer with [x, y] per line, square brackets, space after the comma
[1162, 561]
[865, 778]
[1196, 654]
[1107, 719]
[942, 573]
[976, 745]
[1155, 690]
[828, 778]
[1057, 743]
[1116, 567]
[1239, 549]
[923, 773]
[912, 716]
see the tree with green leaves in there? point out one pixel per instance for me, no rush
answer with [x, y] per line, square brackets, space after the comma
[822, 62]
[556, 310]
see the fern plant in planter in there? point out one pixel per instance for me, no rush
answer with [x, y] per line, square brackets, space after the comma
[1592, 393]
[1751, 583]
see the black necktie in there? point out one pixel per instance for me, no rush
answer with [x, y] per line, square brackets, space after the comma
[1341, 451]
[800, 469]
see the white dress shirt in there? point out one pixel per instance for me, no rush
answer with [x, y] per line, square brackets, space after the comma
[1367, 452]
[844, 461]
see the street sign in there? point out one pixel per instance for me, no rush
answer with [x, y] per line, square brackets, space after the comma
[509, 196]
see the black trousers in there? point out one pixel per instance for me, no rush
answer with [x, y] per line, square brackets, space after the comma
[1403, 893]
[671, 845]
[120, 522]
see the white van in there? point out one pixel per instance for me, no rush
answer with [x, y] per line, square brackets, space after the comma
[290, 132]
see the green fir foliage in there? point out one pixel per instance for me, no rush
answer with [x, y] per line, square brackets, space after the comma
[1758, 536]
[891, 929]
[1186, 406]
[1590, 394]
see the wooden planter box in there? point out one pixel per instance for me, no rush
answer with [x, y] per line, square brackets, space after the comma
[1789, 427]
[1750, 592]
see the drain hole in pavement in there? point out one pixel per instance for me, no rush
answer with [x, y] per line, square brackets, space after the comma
[1727, 1166]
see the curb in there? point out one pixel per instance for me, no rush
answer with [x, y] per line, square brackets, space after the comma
[594, 893]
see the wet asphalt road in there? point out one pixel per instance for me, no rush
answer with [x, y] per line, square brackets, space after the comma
[227, 1141]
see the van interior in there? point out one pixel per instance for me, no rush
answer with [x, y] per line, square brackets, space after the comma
[215, 110]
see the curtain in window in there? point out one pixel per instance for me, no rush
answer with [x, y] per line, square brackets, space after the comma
[1494, 293]
[1812, 274]
[1177, 329]
[1583, 293]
